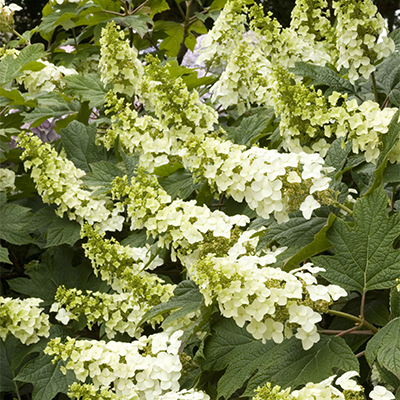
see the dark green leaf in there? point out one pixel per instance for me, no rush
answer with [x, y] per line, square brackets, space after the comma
[385, 347]
[187, 298]
[7, 349]
[79, 144]
[4, 255]
[138, 22]
[364, 255]
[179, 184]
[55, 270]
[63, 231]
[323, 76]
[46, 377]
[14, 220]
[318, 245]
[234, 350]
[395, 303]
[392, 173]
[252, 129]
[103, 173]
[389, 141]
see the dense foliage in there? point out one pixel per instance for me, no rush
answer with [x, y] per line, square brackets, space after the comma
[216, 223]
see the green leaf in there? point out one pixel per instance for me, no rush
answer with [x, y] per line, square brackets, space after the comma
[4, 255]
[297, 232]
[388, 77]
[14, 220]
[86, 88]
[157, 6]
[364, 255]
[63, 231]
[318, 245]
[323, 76]
[187, 298]
[7, 373]
[253, 128]
[234, 350]
[9, 69]
[389, 141]
[395, 36]
[51, 105]
[55, 270]
[79, 143]
[174, 32]
[392, 173]
[385, 347]
[395, 303]
[103, 173]
[179, 184]
[138, 22]
[336, 156]
[46, 377]
[29, 54]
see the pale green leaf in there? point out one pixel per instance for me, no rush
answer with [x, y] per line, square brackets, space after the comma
[364, 255]
[79, 144]
[234, 350]
[86, 88]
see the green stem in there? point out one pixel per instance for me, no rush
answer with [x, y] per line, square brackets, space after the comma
[374, 87]
[75, 41]
[344, 208]
[353, 318]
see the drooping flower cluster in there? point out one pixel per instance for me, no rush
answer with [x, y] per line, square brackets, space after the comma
[123, 267]
[119, 63]
[178, 224]
[120, 312]
[350, 390]
[359, 25]
[149, 367]
[273, 302]
[47, 79]
[310, 122]
[89, 392]
[24, 319]
[58, 182]
[269, 181]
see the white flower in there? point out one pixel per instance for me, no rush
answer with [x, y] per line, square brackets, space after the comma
[308, 206]
[346, 383]
[381, 393]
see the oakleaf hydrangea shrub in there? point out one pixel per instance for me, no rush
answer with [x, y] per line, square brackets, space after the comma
[220, 228]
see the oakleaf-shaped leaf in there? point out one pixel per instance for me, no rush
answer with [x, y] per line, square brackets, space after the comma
[46, 377]
[364, 255]
[286, 364]
[385, 347]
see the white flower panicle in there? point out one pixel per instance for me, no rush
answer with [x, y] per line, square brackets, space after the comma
[123, 267]
[149, 367]
[89, 392]
[47, 79]
[24, 319]
[176, 224]
[273, 302]
[349, 389]
[120, 312]
[359, 25]
[58, 182]
[119, 64]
